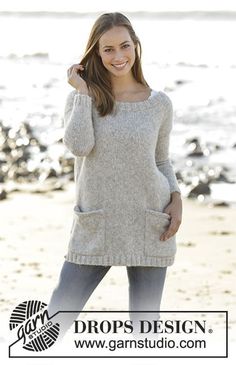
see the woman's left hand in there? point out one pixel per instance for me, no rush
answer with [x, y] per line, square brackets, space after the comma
[174, 209]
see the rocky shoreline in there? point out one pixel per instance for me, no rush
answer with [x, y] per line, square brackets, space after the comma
[27, 163]
[26, 160]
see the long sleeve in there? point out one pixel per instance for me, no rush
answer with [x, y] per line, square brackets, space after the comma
[79, 132]
[162, 148]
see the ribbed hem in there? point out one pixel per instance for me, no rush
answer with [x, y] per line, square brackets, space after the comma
[131, 260]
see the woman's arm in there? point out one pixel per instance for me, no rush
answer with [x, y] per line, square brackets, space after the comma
[162, 147]
[174, 208]
[79, 132]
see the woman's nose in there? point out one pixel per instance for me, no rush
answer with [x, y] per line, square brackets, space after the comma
[118, 57]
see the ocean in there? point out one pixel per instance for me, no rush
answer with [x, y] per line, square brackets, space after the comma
[189, 55]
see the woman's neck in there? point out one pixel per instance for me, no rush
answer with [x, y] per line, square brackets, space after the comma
[124, 85]
[129, 90]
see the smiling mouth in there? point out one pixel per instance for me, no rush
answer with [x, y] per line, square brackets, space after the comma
[120, 65]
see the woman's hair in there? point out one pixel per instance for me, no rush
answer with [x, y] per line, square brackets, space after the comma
[95, 74]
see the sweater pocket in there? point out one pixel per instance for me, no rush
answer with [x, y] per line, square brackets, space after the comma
[155, 224]
[88, 232]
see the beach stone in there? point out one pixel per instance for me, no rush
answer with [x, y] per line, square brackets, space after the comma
[201, 188]
[194, 147]
[222, 177]
[220, 204]
[179, 175]
[3, 194]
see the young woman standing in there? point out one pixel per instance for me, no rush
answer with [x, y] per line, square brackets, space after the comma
[128, 205]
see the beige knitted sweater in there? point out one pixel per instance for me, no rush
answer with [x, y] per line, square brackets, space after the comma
[123, 181]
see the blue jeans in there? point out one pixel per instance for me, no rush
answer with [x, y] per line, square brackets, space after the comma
[77, 283]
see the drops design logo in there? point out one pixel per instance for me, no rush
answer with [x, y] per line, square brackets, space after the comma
[31, 320]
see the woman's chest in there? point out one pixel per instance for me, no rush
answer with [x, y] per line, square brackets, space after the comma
[140, 127]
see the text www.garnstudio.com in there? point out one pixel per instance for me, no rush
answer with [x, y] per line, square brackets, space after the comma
[145, 343]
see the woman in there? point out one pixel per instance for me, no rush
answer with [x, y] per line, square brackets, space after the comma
[128, 204]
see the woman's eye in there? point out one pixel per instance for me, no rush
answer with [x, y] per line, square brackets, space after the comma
[125, 45]
[107, 50]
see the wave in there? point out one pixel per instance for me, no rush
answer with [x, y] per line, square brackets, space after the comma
[221, 14]
[13, 56]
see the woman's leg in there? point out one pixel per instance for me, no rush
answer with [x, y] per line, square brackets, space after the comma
[75, 285]
[145, 292]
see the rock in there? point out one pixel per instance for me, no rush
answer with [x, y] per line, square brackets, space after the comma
[221, 177]
[197, 151]
[221, 204]
[194, 148]
[201, 188]
[3, 194]
[180, 82]
[179, 175]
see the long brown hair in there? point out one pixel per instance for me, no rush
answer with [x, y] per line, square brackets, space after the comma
[95, 74]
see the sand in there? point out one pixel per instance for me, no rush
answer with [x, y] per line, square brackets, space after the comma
[34, 237]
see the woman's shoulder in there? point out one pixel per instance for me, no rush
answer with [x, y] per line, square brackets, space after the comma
[163, 97]
[70, 96]
[72, 93]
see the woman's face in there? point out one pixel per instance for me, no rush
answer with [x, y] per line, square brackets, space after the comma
[117, 51]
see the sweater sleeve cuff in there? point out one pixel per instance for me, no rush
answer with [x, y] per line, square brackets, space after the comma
[82, 99]
[173, 183]
[175, 189]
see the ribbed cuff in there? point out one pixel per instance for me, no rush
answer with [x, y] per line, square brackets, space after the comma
[174, 188]
[82, 99]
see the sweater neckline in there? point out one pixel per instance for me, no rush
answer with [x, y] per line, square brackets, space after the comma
[139, 105]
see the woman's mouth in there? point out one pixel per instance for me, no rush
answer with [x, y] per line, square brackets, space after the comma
[120, 66]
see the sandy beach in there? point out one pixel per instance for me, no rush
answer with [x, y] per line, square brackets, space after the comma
[34, 237]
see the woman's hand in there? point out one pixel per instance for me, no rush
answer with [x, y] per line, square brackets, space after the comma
[75, 80]
[174, 209]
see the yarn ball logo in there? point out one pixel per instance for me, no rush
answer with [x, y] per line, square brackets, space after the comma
[34, 326]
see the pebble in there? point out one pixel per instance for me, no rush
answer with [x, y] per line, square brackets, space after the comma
[201, 188]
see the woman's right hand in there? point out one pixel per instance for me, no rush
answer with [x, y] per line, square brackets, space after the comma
[75, 80]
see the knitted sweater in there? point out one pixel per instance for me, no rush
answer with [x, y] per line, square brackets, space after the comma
[123, 181]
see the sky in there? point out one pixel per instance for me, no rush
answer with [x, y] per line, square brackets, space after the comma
[107, 5]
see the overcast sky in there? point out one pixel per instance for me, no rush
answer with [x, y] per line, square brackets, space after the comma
[121, 5]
